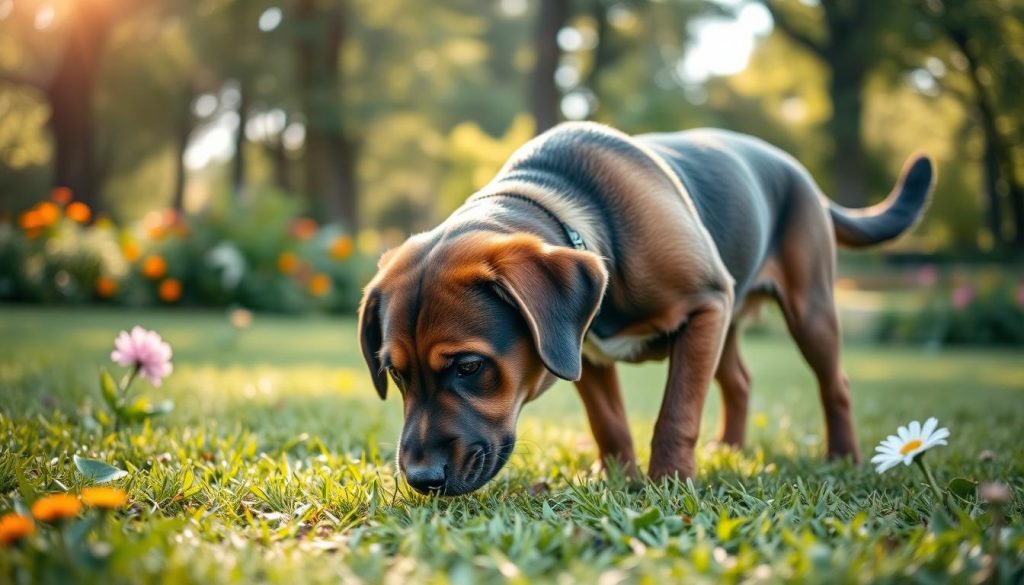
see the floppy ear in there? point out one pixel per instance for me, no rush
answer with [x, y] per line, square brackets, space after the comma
[370, 338]
[558, 291]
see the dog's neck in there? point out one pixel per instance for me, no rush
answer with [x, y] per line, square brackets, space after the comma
[572, 236]
[577, 225]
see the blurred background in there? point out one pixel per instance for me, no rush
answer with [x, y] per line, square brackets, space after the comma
[260, 154]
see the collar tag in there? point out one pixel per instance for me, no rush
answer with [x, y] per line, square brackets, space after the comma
[574, 237]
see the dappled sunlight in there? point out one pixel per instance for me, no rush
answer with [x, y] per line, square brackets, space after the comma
[195, 198]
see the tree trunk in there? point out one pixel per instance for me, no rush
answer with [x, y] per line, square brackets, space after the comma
[279, 163]
[72, 128]
[602, 50]
[545, 98]
[186, 123]
[847, 55]
[1016, 193]
[848, 156]
[238, 163]
[180, 173]
[70, 96]
[346, 151]
[330, 153]
[997, 164]
[990, 166]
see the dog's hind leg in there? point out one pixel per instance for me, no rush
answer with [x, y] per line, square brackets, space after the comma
[599, 389]
[805, 294]
[734, 383]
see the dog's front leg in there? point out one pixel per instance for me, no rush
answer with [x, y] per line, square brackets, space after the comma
[694, 357]
[602, 398]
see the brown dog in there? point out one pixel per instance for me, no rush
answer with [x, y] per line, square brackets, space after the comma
[591, 247]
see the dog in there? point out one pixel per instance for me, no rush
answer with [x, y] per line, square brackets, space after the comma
[592, 247]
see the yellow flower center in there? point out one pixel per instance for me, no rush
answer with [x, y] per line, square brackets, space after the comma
[910, 446]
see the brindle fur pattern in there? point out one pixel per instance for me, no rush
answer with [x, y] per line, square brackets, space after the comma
[684, 231]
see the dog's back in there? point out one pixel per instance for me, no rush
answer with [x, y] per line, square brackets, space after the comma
[737, 183]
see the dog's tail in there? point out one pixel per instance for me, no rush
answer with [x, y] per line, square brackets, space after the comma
[859, 228]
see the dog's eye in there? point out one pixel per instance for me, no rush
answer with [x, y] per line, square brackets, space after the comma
[468, 368]
[395, 375]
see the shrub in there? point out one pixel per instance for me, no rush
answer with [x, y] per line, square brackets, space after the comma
[262, 256]
[986, 311]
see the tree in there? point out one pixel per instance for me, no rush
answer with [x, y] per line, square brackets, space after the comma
[849, 41]
[330, 150]
[69, 89]
[545, 99]
[982, 36]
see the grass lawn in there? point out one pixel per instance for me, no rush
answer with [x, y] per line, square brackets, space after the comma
[277, 466]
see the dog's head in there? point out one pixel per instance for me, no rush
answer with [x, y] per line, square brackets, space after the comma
[469, 329]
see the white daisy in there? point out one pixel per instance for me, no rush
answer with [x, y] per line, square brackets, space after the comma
[907, 443]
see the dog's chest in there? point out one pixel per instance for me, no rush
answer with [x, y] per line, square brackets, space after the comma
[615, 348]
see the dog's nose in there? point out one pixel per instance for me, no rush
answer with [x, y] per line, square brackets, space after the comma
[427, 477]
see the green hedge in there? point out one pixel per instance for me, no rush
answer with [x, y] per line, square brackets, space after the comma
[983, 311]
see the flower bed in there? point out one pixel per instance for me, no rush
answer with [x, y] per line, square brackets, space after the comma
[985, 309]
[261, 256]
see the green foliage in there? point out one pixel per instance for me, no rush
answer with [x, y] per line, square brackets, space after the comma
[406, 78]
[278, 470]
[123, 410]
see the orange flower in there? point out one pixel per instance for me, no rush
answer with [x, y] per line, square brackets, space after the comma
[287, 262]
[319, 284]
[154, 224]
[241, 318]
[171, 216]
[341, 247]
[61, 195]
[169, 290]
[79, 212]
[174, 221]
[106, 287]
[154, 267]
[56, 507]
[304, 228]
[30, 220]
[107, 498]
[131, 251]
[14, 527]
[48, 213]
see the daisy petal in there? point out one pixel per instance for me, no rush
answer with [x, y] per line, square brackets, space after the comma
[886, 466]
[929, 426]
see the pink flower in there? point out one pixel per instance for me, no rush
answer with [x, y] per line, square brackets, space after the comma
[962, 296]
[145, 350]
[927, 275]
